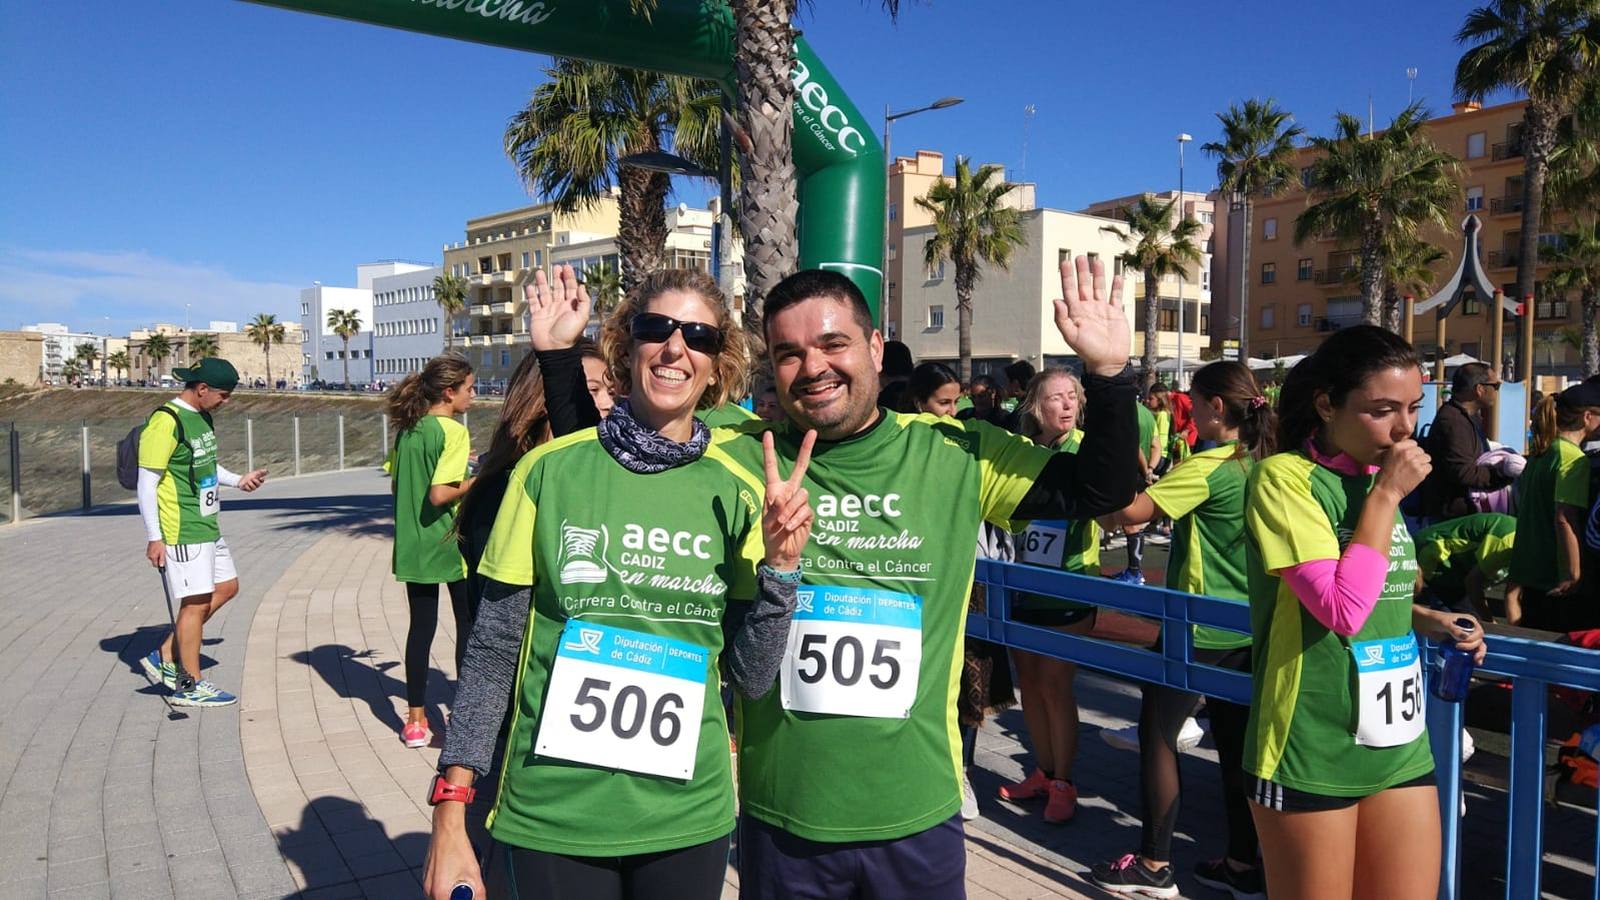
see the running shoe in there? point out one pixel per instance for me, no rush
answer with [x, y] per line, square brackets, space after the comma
[204, 693]
[162, 673]
[1035, 785]
[1247, 884]
[1063, 802]
[1189, 735]
[1130, 876]
[415, 734]
[969, 800]
[1129, 576]
[1128, 738]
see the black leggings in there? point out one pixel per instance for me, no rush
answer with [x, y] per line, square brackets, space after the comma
[688, 873]
[1161, 716]
[424, 602]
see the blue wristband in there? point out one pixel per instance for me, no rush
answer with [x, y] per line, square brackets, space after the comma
[794, 577]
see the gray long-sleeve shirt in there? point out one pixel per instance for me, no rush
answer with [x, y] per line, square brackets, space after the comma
[757, 633]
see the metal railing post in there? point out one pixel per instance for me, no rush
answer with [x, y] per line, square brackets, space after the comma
[297, 444]
[249, 444]
[341, 442]
[16, 474]
[1525, 806]
[88, 491]
[1444, 737]
[383, 428]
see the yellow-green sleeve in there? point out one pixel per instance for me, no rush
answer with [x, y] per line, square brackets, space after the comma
[1431, 556]
[1572, 478]
[752, 546]
[1183, 489]
[452, 464]
[1008, 465]
[509, 556]
[1287, 523]
[157, 441]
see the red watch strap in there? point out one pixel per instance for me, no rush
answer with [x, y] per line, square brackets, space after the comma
[443, 791]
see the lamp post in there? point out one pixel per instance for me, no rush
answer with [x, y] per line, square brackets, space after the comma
[1183, 273]
[888, 119]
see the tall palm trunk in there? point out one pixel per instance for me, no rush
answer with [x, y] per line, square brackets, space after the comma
[966, 279]
[1372, 273]
[1538, 140]
[267, 349]
[1152, 337]
[767, 200]
[641, 223]
[346, 360]
[1391, 307]
[1591, 339]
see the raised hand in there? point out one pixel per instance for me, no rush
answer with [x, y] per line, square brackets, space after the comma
[558, 310]
[786, 513]
[1090, 318]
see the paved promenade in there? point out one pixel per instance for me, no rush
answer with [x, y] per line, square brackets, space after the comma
[303, 789]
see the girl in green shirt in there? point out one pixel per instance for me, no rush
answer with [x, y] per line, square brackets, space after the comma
[1552, 498]
[429, 470]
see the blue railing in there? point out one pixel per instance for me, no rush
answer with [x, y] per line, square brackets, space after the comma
[1532, 667]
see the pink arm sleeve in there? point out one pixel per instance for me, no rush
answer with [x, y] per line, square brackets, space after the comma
[1340, 593]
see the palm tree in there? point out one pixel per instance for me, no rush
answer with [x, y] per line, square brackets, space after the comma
[1254, 158]
[605, 286]
[1550, 50]
[1551, 339]
[119, 362]
[87, 355]
[264, 331]
[971, 226]
[1157, 247]
[450, 292]
[1406, 269]
[157, 347]
[1375, 190]
[567, 141]
[346, 323]
[1577, 260]
[202, 345]
[1574, 179]
[72, 371]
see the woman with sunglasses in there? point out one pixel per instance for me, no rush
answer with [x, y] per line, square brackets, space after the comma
[617, 563]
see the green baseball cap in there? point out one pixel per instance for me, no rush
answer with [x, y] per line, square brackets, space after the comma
[218, 373]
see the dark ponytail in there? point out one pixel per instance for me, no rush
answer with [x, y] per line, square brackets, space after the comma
[1336, 368]
[1243, 405]
[416, 393]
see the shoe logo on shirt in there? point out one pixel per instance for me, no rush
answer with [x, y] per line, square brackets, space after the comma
[588, 641]
[580, 555]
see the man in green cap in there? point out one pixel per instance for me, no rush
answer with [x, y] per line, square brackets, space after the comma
[179, 480]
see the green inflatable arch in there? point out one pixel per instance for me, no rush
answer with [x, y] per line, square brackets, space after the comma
[838, 157]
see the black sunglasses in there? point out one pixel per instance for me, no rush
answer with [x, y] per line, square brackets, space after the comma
[654, 328]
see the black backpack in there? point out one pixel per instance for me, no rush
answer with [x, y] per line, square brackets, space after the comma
[128, 451]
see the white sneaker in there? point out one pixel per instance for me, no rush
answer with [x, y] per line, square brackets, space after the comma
[1467, 746]
[1189, 735]
[969, 800]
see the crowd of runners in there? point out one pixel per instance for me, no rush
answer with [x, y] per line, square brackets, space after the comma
[636, 561]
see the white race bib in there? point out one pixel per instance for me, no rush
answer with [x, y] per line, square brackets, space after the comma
[1389, 680]
[625, 700]
[206, 491]
[853, 652]
[1042, 544]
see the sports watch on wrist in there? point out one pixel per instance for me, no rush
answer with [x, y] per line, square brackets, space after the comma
[442, 791]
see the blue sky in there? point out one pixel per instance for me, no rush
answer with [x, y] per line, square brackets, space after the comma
[222, 154]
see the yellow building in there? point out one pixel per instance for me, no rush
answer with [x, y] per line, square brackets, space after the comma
[254, 363]
[1301, 293]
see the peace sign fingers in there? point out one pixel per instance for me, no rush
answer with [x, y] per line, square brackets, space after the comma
[786, 515]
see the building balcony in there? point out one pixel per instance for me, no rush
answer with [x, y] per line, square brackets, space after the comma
[1506, 150]
[501, 309]
[1504, 259]
[1505, 206]
[506, 339]
[479, 340]
[478, 309]
[1333, 275]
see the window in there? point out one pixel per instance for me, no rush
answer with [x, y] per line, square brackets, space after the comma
[1269, 229]
[1474, 198]
[936, 274]
[330, 354]
[1063, 255]
[538, 259]
[1269, 273]
[1476, 143]
[1205, 279]
[1470, 306]
[1302, 315]
[894, 211]
[525, 258]
[936, 317]
[1267, 316]
[892, 249]
[1207, 217]
[505, 358]
[1302, 269]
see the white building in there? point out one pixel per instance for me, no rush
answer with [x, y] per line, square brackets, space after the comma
[407, 323]
[323, 352]
[61, 346]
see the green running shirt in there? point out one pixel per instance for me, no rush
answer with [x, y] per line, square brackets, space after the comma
[187, 494]
[433, 451]
[1557, 477]
[897, 513]
[654, 554]
[1147, 430]
[727, 414]
[1304, 707]
[1448, 551]
[1071, 545]
[1204, 496]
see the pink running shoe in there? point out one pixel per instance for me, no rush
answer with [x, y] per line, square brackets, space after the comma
[1028, 788]
[1063, 802]
[415, 734]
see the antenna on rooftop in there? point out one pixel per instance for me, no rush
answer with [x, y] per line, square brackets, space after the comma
[1027, 119]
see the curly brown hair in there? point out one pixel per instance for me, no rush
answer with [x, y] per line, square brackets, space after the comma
[731, 366]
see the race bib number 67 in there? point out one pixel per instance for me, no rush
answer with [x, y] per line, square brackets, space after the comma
[853, 652]
[625, 700]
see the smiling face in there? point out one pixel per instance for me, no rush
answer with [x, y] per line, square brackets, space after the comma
[1376, 415]
[942, 402]
[826, 366]
[599, 384]
[668, 378]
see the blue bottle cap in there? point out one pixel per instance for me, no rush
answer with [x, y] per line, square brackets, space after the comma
[462, 891]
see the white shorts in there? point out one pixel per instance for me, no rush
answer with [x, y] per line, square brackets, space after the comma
[196, 569]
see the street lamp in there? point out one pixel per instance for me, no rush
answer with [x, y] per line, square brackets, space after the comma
[888, 160]
[1183, 273]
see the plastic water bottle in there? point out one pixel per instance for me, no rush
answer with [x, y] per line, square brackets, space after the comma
[462, 891]
[1455, 669]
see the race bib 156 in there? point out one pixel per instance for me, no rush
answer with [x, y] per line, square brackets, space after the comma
[853, 652]
[1389, 678]
[623, 699]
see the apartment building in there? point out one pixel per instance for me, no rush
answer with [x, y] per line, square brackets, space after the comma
[255, 366]
[1300, 293]
[407, 324]
[323, 353]
[61, 347]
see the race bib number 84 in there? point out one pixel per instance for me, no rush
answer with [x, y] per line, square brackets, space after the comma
[1389, 678]
[209, 502]
[853, 652]
[623, 699]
